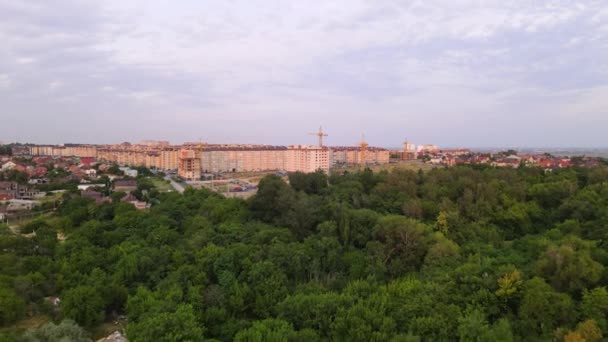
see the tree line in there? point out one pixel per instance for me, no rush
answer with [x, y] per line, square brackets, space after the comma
[467, 253]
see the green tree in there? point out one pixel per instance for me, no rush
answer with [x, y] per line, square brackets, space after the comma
[12, 307]
[589, 330]
[180, 325]
[542, 309]
[84, 305]
[269, 330]
[473, 326]
[268, 285]
[404, 243]
[313, 311]
[310, 183]
[570, 266]
[509, 287]
[595, 306]
[273, 199]
[363, 322]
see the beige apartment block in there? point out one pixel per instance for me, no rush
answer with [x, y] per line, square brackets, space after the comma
[222, 158]
[306, 158]
[240, 159]
[355, 155]
[189, 166]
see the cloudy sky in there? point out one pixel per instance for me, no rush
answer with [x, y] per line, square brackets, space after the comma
[452, 72]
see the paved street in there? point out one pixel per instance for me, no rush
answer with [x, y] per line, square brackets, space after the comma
[178, 187]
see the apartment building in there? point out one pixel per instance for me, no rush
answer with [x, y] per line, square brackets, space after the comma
[306, 158]
[239, 159]
[168, 159]
[63, 151]
[349, 155]
[13, 190]
[165, 159]
[189, 166]
[193, 159]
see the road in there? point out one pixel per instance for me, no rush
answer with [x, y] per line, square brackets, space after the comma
[178, 187]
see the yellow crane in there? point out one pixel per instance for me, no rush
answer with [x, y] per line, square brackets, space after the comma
[320, 134]
[363, 149]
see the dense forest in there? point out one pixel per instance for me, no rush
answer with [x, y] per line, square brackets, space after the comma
[463, 253]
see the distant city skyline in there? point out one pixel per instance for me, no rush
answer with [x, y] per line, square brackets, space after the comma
[462, 73]
[568, 150]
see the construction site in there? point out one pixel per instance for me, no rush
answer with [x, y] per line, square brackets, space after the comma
[195, 161]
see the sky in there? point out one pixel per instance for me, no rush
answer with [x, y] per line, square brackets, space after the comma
[458, 73]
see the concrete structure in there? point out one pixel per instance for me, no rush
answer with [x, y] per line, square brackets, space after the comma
[219, 159]
[159, 143]
[140, 205]
[348, 155]
[193, 159]
[189, 166]
[87, 186]
[306, 158]
[8, 166]
[409, 151]
[14, 190]
[114, 337]
[20, 150]
[63, 151]
[427, 148]
[20, 205]
[126, 185]
[128, 171]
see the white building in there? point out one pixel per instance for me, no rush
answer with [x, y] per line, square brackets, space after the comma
[8, 166]
[129, 172]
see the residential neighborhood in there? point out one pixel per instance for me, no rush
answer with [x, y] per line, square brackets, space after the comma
[33, 185]
[509, 158]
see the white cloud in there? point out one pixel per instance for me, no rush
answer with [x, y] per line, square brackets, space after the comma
[252, 43]
[441, 59]
[25, 60]
[55, 85]
[590, 104]
[5, 81]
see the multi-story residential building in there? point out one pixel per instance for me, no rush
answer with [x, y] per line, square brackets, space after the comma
[427, 148]
[168, 159]
[307, 158]
[409, 151]
[14, 190]
[189, 166]
[239, 159]
[63, 151]
[350, 155]
[155, 143]
[20, 150]
[219, 157]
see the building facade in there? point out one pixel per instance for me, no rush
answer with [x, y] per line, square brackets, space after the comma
[189, 166]
[194, 159]
[305, 158]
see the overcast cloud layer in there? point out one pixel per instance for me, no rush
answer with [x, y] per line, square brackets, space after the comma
[451, 72]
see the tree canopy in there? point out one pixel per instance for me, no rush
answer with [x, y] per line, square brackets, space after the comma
[461, 253]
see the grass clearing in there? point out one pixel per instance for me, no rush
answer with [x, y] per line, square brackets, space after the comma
[161, 184]
[27, 323]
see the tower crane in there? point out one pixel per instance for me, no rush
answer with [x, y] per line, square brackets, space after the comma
[320, 134]
[363, 149]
